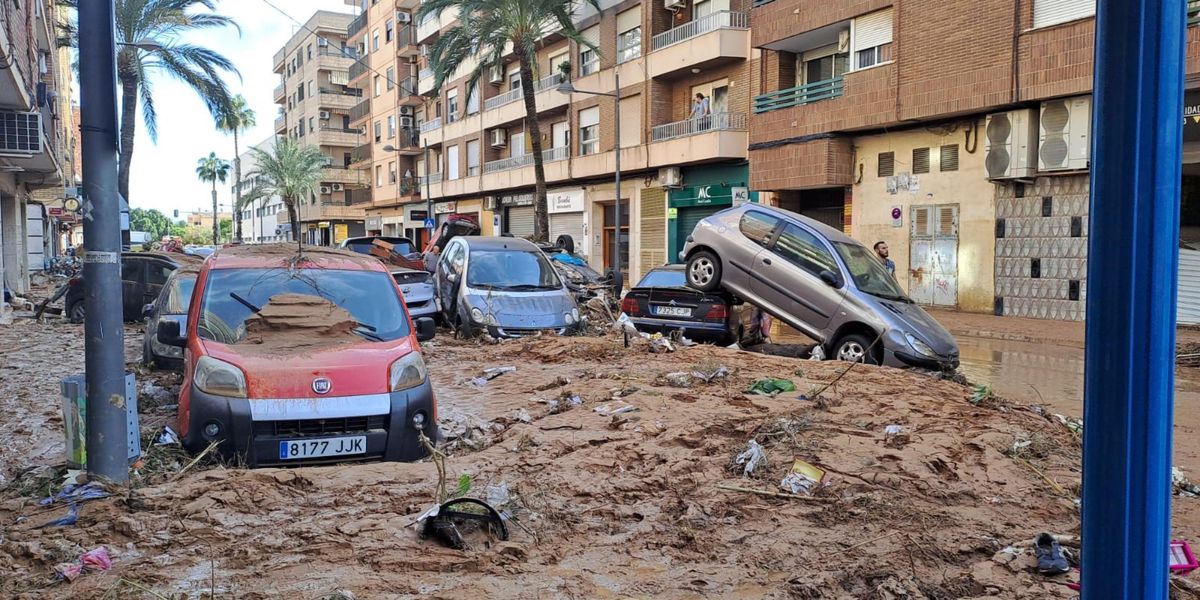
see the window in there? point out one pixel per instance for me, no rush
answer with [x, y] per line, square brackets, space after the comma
[758, 227]
[451, 106]
[473, 99]
[392, 172]
[589, 131]
[310, 52]
[514, 79]
[1053, 12]
[629, 40]
[920, 161]
[378, 132]
[452, 162]
[804, 250]
[516, 144]
[887, 164]
[300, 93]
[473, 157]
[560, 135]
[391, 78]
[388, 31]
[312, 124]
[312, 88]
[378, 175]
[378, 83]
[871, 37]
[821, 65]
[949, 158]
[391, 124]
[374, 40]
[589, 60]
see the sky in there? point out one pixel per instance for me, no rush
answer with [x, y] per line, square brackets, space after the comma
[163, 174]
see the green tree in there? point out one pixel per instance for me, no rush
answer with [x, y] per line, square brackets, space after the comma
[236, 117]
[149, 36]
[212, 169]
[486, 30]
[226, 226]
[151, 221]
[195, 235]
[289, 171]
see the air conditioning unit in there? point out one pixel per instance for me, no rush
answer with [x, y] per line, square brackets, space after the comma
[424, 49]
[325, 189]
[406, 110]
[23, 133]
[1011, 142]
[337, 187]
[670, 177]
[491, 203]
[499, 138]
[406, 121]
[403, 17]
[323, 115]
[322, 41]
[496, 75]
[1063, 142]
[674, 4]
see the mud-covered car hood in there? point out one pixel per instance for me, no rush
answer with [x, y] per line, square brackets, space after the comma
[545, 309]
[913, 319]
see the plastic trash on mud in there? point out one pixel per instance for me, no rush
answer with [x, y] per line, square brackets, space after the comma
[168, 437]
[721, 372]
[771, 386]
[752, 458]
[803, 478]
[818, 353]
[497, 494]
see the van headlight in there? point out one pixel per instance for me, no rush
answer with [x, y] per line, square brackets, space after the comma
[476, 315]
[407, 372]
[575, 313]
[921, 347]
[219, 378]
[569, 318]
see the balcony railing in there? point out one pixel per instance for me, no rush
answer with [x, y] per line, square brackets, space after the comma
[358, 68]
[279, 93]
[360, 153]
[408, 87]
[502, 99]
[357, 24]
[1193, 12]
[724, 19]
[406, 35]
[805, 94]
[280, 122]
[758, 3]
[360, 110]
[425, 73]
[431, 124]
[699, 125]
[516, 162]
[431, 178]
[549, 82]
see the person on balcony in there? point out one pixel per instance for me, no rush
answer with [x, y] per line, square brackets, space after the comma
[700, 113]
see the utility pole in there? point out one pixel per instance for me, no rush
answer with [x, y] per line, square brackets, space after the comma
[104, 344]
[216, 225]
[618, 280]
[1129, 367]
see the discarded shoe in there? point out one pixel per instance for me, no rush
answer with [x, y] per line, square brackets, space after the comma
[1050, 559]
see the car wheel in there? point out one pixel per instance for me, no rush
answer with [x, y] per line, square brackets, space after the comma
[463, 328]
[76, 312]
[855, 347]
[566, 242]
[704, 271]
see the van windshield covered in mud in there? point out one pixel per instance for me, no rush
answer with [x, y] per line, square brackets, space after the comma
[231, 296]
[511, 270]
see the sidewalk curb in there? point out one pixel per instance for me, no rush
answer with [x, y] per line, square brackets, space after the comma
[1010, 337]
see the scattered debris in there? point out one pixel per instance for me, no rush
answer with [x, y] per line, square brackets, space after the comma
[1050, 559]
[92, 561]
[678, 379]
[168, 437]
[981, 394]
[1182, 485]
[495, 372]
[443, 523]
[893, 430]
[523, 416]
[771, 386]
[73, 494]
[818, 353]
[1183, 561]
[752, 458]
[721, 372]
[659, 344]
[1071, 423]
[606, 410]
[802, 478]
[66, 520]
[497, 494]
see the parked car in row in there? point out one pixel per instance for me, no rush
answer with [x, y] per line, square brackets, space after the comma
[302, 362]
[503, 286]
[417, 287]
[819, 281]
[662, 302]
[143, 275]
[171, 305]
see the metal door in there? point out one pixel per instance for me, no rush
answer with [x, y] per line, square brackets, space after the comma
[35, 241]
[933, 255]
[519, 221]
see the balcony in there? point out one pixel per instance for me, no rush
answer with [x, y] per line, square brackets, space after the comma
[1193, 13]
[713, 137]
[277, 61]
[357, 25]
[357, 69]
[332, 210]
[406, 40]
[408, 91]
[280, 124]
[337, 100]
[342, 175]
[706, 42]
[360, 155]
[816, 91]
[431, 178]
[279, 94]
[432, 124]
[336, 59]
[360, 111]
[407, 141]
[513, 95]
[425, 82]
[516, 162]
[337, 136]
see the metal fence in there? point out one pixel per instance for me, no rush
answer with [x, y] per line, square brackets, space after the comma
[805, 94]
[516, 162]
[502, 99]
[431, 124]
[725, 19]
[697, 125]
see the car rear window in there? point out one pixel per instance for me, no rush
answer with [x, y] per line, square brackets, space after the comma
[402, 246]
[179, 294]
[369, 296]
[411, 277]
[758, 226]
[663, 278]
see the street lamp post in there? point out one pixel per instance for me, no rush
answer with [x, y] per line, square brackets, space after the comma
[566, 87]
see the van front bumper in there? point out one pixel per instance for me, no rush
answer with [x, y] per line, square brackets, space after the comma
[386, 420]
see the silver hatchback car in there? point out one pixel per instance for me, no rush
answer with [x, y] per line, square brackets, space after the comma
[818, 280]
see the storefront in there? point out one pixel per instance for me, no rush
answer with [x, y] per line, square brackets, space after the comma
[565, 208]
[471, 208]
[331, 233]
[374, 225]
[516, 212]
[712, 188]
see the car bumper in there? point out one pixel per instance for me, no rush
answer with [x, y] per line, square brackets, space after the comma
[520, 332]
[897, 358]
[700, 332]
[422, 309]
[389, 435]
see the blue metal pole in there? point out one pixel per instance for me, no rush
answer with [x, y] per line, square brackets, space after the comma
[1137, 126]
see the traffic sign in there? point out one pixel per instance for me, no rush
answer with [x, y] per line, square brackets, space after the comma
[429, 223]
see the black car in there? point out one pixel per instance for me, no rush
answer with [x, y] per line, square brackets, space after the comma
[662, 302]
[172, 305]
[143, 275]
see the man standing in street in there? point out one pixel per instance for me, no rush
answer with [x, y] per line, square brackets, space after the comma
[881, 252]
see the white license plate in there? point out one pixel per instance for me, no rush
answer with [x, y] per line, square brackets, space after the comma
[673, 311]
[338, 446]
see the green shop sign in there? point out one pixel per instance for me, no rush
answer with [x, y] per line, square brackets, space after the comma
[709, 195]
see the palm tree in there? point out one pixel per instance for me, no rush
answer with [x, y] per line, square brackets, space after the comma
[148, 34]
[211, 168]
[291, 171]
[485, 29]
[236, 117]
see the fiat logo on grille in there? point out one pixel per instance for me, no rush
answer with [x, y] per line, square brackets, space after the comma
[322, 385]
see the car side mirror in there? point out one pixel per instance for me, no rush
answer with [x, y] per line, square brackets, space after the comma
[426, 329]
[451, 276]
[831, 279]
[147, 311]
[169, 335]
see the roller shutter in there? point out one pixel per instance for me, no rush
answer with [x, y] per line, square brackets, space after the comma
[688, 219]
[570, 224]
[519, 221]
[1050, 12]
[653, 224]
[1188, 304]
[35, 239]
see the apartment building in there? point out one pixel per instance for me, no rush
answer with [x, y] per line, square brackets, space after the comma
[35, 113]
[675, 167]
[384, 37]
[957, 132]
[260, 220]
[316, 100]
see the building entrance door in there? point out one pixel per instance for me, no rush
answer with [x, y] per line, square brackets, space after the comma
[933, 255]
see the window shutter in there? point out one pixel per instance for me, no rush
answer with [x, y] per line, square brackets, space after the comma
[653, 229]
[1050, 12]
[887, 164]
[339, 77]
[947, 225]
[922, 224]
[920, 164]
[589, 116]
[592, 34]
[873, 30]
[949, 158]
[629, 19]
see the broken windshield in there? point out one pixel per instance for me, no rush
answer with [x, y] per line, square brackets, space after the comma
[230, 295]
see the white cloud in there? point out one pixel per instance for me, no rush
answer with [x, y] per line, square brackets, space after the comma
[164, 174]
